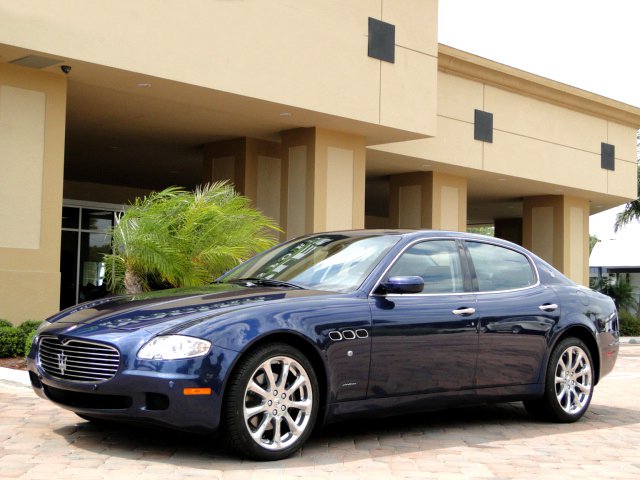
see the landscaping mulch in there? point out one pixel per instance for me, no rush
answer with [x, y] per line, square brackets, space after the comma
[17, 363]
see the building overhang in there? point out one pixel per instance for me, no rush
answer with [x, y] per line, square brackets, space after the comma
[467, 65]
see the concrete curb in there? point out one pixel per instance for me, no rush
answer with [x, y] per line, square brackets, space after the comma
[15, 378]
[630, 340]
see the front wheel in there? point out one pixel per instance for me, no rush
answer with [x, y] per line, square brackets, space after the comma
[271, 403]
[568, 386]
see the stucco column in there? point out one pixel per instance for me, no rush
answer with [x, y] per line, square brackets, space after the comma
[556, 228]
[430, 200]
[253, 166]
[32, 128]
[323, 181]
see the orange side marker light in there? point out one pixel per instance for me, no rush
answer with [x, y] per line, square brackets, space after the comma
[197, 391]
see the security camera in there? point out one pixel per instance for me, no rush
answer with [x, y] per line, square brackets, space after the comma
[65, 69]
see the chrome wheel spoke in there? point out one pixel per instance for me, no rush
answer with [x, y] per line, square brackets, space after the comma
[303, 405]
[277, 434]
[584, 388]
[271, 382]
[257, 389]
[283, 376]
[296, 385]
[562, 364]
[250, 412]
[291, 423]
[266, 421]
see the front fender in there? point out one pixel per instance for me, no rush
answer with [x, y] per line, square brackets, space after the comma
[310, 325]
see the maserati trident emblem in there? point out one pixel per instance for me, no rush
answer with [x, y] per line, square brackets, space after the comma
[62, 362]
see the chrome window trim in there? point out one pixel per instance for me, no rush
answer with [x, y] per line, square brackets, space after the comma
[453, 239]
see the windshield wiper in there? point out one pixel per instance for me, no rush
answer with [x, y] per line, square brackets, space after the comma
[252, 281]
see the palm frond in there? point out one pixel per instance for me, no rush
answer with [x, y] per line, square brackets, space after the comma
[186, 238]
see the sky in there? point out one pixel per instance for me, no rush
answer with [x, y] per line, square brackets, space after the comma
[589, 44]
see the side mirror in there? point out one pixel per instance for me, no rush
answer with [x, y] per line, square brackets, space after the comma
[408, 284]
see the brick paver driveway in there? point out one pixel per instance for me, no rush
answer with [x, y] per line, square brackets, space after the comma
[39, 440]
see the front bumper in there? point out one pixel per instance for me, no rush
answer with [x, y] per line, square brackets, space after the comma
[152, 392]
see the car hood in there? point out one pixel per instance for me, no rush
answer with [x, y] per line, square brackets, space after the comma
[168, 308]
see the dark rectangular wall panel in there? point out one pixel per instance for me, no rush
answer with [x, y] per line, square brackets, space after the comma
[483, 126]
[382, 40]
[607, 156]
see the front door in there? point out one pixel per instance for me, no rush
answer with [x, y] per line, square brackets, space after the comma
[424, 342]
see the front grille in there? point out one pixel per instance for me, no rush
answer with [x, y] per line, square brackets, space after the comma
[77, 360]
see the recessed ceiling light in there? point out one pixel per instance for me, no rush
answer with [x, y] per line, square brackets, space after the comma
[143, 85]
[285, 114]
[501, 179]
[426, 165]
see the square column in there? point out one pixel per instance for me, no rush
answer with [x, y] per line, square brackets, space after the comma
[428, 200]
[32, 129]
[556, 228]
[322, 182]
[253, 166]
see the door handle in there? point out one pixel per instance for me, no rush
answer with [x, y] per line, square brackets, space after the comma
[465, 311]
[548, 307]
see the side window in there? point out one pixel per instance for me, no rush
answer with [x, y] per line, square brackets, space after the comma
[436, 261]
[499, 268]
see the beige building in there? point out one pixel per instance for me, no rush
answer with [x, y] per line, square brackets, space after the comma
[329, 115]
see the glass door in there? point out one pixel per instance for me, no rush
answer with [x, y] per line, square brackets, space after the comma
[84, 239]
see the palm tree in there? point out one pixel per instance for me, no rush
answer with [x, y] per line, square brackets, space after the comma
[631, 210]
[620, 291]
[179, 238]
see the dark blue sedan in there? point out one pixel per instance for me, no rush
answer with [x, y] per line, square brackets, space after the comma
[332, 326]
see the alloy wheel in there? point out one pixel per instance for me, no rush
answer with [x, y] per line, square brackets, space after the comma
[278, 402]
[573, 380]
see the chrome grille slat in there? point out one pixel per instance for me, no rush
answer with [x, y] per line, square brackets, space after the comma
[83, 361]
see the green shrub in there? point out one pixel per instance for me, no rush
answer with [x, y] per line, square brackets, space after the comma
[11, 342]
[629, 324]
[5, 323]
[16, 341]
[28, 341]
[29, 326]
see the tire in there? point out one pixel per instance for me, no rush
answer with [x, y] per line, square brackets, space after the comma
[569, 384]
[268, 415]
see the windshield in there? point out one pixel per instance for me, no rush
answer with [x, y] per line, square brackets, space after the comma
[334, 262]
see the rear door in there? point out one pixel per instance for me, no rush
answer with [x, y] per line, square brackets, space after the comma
[516, 313]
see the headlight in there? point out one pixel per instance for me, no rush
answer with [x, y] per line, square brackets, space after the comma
[172, 347]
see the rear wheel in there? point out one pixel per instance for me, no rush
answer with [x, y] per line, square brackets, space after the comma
[271, 403]
[568, 386]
